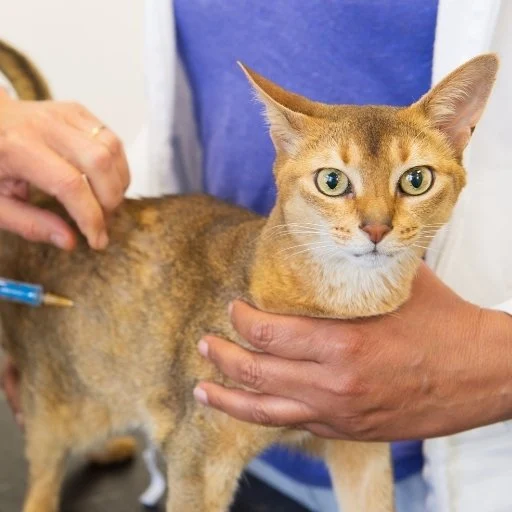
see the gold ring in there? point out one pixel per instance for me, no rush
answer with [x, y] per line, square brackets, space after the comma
[97, 129]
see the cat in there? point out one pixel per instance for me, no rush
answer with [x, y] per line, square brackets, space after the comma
[361, 191]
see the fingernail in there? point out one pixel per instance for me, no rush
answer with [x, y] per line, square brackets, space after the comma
[59, 240]
[200, 395]
[103, 240]
[202, 346]
[230, 309]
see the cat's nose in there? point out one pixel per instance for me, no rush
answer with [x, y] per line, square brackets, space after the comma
[376, 231]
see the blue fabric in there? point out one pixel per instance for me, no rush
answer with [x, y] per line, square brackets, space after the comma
[334, 51]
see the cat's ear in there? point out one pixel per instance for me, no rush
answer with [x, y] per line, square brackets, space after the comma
[287, 113]
[456, 104]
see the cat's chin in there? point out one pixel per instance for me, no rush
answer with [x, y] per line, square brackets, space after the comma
[371, 259]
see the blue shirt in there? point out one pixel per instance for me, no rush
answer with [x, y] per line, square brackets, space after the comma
[334, 51]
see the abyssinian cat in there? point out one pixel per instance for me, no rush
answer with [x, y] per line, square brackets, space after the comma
[361, 190]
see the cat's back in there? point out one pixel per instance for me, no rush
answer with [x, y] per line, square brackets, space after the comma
[157, 228]
[165, 257]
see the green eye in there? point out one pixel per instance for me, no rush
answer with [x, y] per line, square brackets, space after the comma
[332, 182]
[416, 181]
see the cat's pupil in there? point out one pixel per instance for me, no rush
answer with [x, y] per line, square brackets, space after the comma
[416, 178]
[332, 180]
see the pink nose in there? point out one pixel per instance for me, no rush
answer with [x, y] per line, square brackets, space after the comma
[376, 232]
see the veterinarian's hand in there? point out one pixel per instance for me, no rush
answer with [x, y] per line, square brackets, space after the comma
[438, 366]
[53, 146]
[9, 382]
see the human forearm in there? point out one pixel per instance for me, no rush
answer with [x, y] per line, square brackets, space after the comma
[495, 340]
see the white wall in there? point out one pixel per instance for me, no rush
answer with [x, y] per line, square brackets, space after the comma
[89, 50]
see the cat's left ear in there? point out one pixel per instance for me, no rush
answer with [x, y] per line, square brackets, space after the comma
[287, 113]
[456, 104]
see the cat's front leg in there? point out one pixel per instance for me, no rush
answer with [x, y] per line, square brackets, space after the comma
[205, 461]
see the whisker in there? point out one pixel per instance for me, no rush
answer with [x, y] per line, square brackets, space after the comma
[424, 248]
[304, 230]
[290, 226]
[304, 250]
[309, 244]
[282, 229]
[297, 232]
[275, 236]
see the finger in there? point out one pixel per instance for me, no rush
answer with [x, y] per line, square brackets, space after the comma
[85, 121]
[253, 407]
[285, 336]
[60, 179]
[14, 188]
[263, 372]
[116, 149]
[35, 224]
[92, 159]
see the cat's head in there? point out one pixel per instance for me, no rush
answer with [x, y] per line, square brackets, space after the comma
[370, 183]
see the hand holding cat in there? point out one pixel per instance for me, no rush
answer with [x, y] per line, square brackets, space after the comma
[61, 149]
[438, 366]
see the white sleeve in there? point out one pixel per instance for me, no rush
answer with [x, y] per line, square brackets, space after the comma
[470, 471]
[166, 156]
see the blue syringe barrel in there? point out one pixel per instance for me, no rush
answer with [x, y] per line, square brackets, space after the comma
[24, 293]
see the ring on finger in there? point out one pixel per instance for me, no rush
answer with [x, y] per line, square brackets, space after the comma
[96, 130]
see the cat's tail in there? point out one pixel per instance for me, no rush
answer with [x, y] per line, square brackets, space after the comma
[28, 83]
[22, 74]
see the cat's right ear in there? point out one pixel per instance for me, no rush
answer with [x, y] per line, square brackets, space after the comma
[286, 112]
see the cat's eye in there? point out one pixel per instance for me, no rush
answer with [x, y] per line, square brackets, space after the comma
[416, 181]
[332, 182]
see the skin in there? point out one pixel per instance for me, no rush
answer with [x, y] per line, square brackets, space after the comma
[330, 377]
[49, 145]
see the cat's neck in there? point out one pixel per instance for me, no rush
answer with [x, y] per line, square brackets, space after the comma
[302, 282]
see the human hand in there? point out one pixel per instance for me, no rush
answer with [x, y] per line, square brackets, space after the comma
[51, 145]
[10, 382]
[438, 366]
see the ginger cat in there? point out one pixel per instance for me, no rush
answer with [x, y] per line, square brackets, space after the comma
[361, 190]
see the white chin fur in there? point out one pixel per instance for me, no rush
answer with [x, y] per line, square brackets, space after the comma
[355, 279]
[371, 260]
